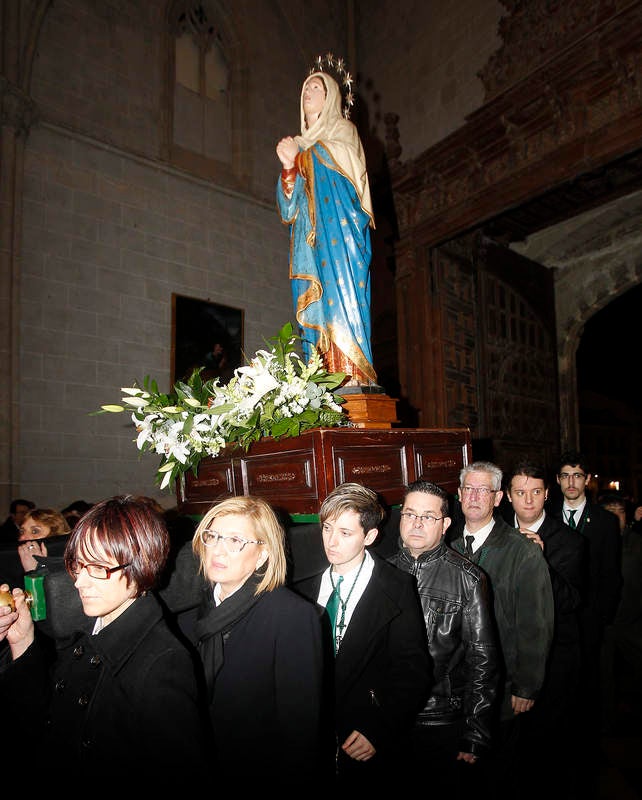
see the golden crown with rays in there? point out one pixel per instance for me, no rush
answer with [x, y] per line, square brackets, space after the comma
[329, 63]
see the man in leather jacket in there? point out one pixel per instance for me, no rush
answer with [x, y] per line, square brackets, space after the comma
[454, 728]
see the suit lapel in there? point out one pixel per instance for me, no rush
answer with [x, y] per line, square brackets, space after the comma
[374, 611]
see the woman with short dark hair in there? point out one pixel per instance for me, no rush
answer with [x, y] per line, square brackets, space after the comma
[122, 693]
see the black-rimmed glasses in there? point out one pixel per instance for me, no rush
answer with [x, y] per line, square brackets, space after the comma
[422, 519]
[233, 544]
[98, 571]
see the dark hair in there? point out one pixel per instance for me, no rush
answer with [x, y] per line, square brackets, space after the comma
[353, 497]
[19, 502]
[128, 530]
[426, 487]
[612, 498]
[530, 469]
[78, 507]
[574, 459]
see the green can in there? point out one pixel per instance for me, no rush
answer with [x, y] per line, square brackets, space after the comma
[35, 591]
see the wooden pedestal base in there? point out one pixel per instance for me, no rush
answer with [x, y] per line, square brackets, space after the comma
[371, 410]
[296, 474]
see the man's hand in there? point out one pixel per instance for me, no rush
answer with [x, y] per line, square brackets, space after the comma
[521, 704]
[358, 747]
[469, 758]
[534, 537]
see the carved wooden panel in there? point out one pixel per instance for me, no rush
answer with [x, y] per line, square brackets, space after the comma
[296, 474]
[491, 356]
[520, 357]
[454, 285]
[566, 105]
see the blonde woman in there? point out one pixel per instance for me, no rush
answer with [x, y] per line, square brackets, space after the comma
[38, 524]
[261, 647]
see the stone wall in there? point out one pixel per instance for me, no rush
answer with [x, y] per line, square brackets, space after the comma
[110, 229]
[420, 60]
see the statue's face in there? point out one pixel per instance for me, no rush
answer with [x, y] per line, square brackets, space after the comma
[313, 97]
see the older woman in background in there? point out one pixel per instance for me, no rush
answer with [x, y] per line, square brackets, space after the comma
[39, 523]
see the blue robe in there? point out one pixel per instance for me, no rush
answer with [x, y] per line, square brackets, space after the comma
[330, 253]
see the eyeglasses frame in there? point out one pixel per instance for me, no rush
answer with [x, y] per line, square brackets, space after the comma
[110, 570]
[218, 536]
[483, 490]
[428, 519]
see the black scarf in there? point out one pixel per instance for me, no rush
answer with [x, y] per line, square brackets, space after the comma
[215, 622]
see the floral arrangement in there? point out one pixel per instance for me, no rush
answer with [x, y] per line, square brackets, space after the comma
[277, 394]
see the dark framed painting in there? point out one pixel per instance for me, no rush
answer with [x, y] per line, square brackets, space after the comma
[207, 335]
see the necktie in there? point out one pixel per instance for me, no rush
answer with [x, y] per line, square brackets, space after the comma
[468, 552]
[332, 606]
[571, 520]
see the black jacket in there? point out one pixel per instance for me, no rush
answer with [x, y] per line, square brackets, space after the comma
[523, 606]
[383, 671]
[566, 554]
[601, 529]
[462, 642]
[126, 699]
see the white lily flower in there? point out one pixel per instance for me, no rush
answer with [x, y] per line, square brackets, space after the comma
[189, 428]
[137, 402]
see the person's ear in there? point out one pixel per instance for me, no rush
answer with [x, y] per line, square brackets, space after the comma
[263, 557]
[371, 536]
[498, 498]
[447, 521]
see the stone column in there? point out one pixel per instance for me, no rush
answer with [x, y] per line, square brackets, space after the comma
[17, 115]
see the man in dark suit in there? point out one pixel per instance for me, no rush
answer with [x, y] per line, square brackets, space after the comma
[547, 732]
[600, 528]
[10, 528]
[382, 668]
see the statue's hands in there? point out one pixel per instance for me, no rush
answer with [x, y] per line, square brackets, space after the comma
[286, 150]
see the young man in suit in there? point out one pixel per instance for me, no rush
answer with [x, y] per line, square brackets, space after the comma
[548, 732]
[601, 531]
[599, 528]
[382, 669]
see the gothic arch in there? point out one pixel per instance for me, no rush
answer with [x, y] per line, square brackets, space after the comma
[570, 331]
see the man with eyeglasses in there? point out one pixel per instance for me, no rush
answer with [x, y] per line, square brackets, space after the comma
[454, 728]
[523, 606]
[600, 528]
